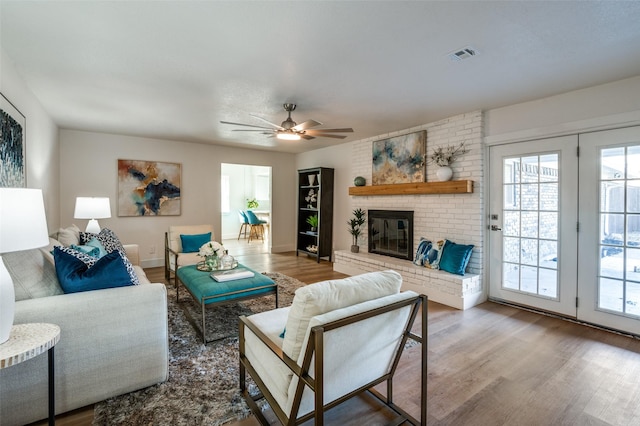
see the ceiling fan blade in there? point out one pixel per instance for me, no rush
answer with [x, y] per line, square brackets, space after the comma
[328, 135]
[306, 125]
[346, 130]
[307, 137]
[262, 129]
[277, 126]
[247, 125]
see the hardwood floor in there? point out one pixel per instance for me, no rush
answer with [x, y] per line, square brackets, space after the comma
[489, 365]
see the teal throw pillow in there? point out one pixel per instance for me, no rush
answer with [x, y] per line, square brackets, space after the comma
[74, 275]
[98, 245]
[91, 251]
[192, 243]
[455, 257]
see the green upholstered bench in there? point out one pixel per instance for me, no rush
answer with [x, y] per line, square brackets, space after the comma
[208, 293]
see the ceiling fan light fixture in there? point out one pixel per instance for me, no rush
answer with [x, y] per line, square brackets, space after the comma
[288, 136]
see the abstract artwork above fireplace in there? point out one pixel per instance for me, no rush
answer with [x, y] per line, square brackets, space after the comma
[399, 159]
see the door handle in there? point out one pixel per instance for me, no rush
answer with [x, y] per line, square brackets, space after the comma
[495, 228]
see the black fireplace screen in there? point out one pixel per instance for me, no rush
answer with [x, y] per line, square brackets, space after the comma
[391, 233]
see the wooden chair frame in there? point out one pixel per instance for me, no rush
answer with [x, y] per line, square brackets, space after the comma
[167, 264]
[316, 345]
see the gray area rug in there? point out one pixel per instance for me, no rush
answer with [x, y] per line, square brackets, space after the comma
[203, 387]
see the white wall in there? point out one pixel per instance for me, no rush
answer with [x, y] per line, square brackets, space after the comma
[337, 157]
[614, 104]
[89, 168]
[42, 147]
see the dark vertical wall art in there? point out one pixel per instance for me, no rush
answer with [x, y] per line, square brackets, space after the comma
[12, 146]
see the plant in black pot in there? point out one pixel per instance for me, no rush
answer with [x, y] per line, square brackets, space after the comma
[355, 228]
[313, 222]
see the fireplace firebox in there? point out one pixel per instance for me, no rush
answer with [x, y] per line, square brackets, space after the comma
[391, 233]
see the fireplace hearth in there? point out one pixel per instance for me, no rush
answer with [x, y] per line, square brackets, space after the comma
[391, 233]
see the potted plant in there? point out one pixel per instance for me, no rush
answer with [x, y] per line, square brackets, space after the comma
[355, 228]
[444, 157]
[252, 203]
[313, 222]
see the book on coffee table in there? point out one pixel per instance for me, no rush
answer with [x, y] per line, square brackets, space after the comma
[232, 274]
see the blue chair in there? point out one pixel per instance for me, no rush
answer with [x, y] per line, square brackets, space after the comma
[244, 224]
[257, 226]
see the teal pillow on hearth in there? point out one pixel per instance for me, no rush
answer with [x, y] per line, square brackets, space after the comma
[455, 257]
[74, 275]
[192, 243]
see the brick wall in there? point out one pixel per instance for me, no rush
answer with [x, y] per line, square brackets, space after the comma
[458, 217]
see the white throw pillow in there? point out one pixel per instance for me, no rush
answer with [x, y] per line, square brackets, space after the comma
[68, 236]
[326, 296]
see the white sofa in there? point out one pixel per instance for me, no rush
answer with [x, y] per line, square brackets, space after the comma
[112, 341]
[353, 330]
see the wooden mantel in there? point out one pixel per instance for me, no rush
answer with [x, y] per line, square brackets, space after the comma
[448, 187]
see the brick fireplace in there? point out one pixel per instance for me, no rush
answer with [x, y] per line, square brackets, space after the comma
[458, 217]
[390, 233]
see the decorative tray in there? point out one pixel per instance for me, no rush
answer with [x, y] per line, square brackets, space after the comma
[202, 267]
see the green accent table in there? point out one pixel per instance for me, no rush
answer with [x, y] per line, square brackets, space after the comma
[209, 293]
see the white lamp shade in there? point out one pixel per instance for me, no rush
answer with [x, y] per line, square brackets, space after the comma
[23, 226]
[23, 223]
[92, 208]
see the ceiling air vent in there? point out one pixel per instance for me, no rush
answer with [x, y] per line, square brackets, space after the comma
[464, 53]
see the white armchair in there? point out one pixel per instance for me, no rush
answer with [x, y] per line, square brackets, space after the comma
[174, 256]
[341, 338]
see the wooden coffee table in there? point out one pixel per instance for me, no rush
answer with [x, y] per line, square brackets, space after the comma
[210, 293]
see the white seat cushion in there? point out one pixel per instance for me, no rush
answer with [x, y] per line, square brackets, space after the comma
[326, 296]
[269, 367]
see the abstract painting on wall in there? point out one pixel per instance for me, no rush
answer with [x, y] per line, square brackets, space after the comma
[12, 146]
[399, 159]
[148, 188]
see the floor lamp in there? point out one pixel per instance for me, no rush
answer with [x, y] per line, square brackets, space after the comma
[92, 208]
[23, 226]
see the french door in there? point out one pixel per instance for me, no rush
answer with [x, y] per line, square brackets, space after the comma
[532, 220]
[565, 229]
[609, 239]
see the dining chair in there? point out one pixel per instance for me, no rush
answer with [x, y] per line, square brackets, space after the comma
[257, 226]
[244, 224]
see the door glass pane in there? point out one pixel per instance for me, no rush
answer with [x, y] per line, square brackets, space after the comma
[549, 196]
[611, 294]
[511, 223]
[529, 196]
[633, 196]
[549, 225]
[633, 298]
[511, 276]
[530, 226]
[612, 163]
[549, 286]
[612, 196]
[548, 254]
[633, 162]
[619, 268]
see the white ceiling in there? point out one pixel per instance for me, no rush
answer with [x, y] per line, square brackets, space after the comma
[174, 69]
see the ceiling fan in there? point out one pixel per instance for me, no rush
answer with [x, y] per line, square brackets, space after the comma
[290, 130]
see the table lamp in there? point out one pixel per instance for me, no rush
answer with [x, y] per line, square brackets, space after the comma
[23, 226]
[92, 208]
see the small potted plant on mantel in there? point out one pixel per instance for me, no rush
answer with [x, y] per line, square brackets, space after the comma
[355, 228]
[444, 157]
